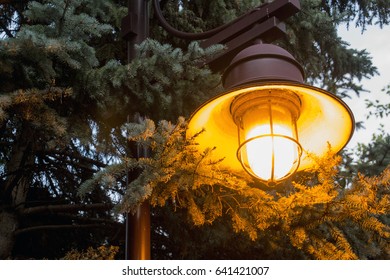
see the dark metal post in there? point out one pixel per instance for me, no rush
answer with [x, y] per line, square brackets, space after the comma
[135, 28]
[138, 233]
[138, 224]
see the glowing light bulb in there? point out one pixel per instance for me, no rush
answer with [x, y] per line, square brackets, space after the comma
[271, 157]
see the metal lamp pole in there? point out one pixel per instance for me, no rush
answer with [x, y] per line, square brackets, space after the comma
[135, 29]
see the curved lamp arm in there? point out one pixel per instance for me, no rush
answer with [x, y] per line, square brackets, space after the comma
[187, 35]
[263, 22]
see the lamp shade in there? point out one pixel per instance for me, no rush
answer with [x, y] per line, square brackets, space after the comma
[266, 74]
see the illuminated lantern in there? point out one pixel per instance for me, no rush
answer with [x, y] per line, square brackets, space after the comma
[268, 120]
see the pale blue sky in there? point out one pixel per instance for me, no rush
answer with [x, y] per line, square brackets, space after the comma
[377, 42]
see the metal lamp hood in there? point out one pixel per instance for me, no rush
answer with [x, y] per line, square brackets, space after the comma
[323, 120]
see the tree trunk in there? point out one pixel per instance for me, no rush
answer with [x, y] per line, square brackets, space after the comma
[18, 170]
[9, 223]
[15, 188]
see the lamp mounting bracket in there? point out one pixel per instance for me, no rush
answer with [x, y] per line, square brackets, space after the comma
[264, 22]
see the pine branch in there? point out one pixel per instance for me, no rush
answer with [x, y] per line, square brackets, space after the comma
[57, 227]
[69, 162]
[62, 19]
[57, 155]
[87, 220]
[381, 161]
[66, 208]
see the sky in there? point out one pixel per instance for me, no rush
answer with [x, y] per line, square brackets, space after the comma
[377, 42]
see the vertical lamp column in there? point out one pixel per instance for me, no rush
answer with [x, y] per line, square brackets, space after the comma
[135, 29]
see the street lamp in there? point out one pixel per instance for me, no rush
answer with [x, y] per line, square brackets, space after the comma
[267, 121]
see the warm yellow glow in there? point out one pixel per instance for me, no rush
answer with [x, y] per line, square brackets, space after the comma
[270, 157]
[323, 120]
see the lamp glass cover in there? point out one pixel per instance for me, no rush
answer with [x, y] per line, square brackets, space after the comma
[268, 147]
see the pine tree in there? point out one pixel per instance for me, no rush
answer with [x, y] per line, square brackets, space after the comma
[46, 131]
